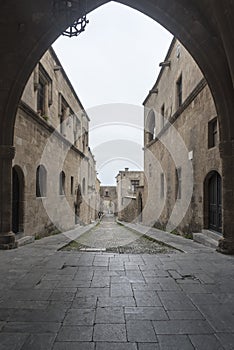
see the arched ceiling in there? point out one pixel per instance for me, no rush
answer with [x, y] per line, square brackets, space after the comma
[29, 27]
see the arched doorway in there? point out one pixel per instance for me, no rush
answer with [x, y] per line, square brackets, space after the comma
[17, 200]
[213, 202]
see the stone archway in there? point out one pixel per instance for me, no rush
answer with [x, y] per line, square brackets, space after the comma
[204, 28]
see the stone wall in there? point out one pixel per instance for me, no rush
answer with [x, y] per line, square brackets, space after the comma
[126, 194]
[108, 197]
[129, 213]
[188, 126]
[38, 143]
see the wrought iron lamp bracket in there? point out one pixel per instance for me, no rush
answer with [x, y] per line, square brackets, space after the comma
[78, 26]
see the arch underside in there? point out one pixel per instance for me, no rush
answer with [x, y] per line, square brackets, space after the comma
[28, 31]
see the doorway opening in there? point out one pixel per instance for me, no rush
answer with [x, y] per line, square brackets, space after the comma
[17, 200]
[213, 202]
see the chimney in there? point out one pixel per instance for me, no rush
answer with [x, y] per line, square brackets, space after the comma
[126, 169]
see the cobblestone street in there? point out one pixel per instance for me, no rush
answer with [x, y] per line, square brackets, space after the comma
[71, 300]
[113, 237]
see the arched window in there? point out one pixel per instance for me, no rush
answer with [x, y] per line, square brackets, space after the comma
[150, 126]
[83, 186]
[41, 181]
[62, 178]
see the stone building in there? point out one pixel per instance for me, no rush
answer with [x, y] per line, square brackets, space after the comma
[129, 195]
[54, 174]
[183, 187]
[108, 197]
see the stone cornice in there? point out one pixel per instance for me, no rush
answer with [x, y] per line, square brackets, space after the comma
[200, 86]
[31, 114]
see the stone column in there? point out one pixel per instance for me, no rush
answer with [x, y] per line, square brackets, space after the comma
[7, 238]
[226, 244]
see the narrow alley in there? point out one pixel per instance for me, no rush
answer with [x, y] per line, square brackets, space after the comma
[110, 235]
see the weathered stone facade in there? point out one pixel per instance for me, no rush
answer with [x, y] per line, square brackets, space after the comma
[181, 148]
[108, 195]
[128, 195]
[52, 150]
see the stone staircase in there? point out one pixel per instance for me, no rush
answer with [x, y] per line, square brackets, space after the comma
[207, 238]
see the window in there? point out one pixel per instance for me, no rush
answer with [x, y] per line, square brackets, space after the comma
[179, 90]
[178, 183]
[72, 185]
[162, 186]
[64, 111]
[213, 133]
[134, 185]
[150, 126]
[77, 123]
[41, 181]
[41, 98]
[83, 139]
[62, 179]
[43, 85]
[106, 193]
[162, 115]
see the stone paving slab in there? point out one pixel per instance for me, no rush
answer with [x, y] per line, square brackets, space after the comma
[110, 315]
[74, 346]
[57, 300]
[145, 313]
[141, 331]
[178, 242]
[39, 342]
[10, 341]
[116, 346]
[175, 342]
[206, 342]
[109, 333]
[75, 333]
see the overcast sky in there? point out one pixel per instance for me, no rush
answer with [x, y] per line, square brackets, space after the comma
[112, 66]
